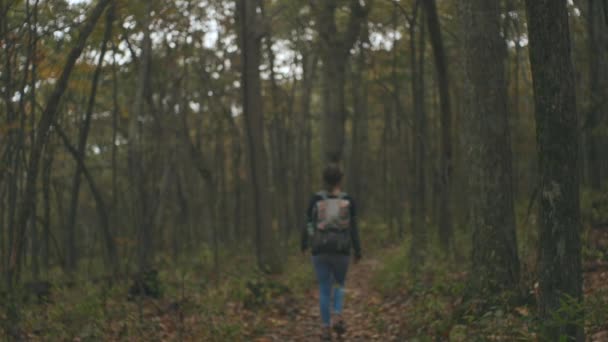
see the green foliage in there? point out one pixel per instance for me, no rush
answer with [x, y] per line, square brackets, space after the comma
[596, 310]
[77, 314]
[594, 206]
[430, 293]
[570, 312]
[146, 284]
[437, 307]
[376, 235]
[393, 277]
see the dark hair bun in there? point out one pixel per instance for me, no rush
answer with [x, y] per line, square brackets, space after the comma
[332, 175]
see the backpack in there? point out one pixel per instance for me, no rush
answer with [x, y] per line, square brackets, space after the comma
[331, 224]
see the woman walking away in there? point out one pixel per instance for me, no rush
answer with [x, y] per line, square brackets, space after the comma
[331, 231]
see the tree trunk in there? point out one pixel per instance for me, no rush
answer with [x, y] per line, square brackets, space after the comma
[279, 156]
[598, 77]
[495, 257]
[335, 51]
[445, 168]
[32, 51]
[386, 177]
[11, 151]
[399, 186]
[47, 166]
[220, 183]
[102, 212]
[559, 263]
[267, 250]
[303, 162]
[357, 176]
[419, 233]
[135, 159]
[237, 184]
[72, 248]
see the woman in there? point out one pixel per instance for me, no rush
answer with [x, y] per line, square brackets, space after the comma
[332, 230]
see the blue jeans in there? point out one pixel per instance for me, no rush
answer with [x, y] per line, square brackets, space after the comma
[330, 270]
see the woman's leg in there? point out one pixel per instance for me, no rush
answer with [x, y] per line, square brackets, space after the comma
[340, 269]
[324, 277]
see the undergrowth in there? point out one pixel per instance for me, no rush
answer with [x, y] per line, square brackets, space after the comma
[194, 306]
[435, 308]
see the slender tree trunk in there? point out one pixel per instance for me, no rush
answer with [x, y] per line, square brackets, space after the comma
[419, 233]
[115, 114]
[11, 151]
[99, 201]
[598, 77]
[399, 186]
[385, 149]
[334, 107]
[47, 166]
[495, 258]
[34, 81]
[72, 248]
[221, 190]
[267, 250]
[144, 235]
[237, 184]
[559, 263]
[357, 175]
[445, 168]
[302, 169]
[278, 132]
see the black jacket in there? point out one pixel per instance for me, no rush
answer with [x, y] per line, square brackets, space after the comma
[354, 230]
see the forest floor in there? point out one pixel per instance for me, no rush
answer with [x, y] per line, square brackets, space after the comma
[383, 303]
[368, 316]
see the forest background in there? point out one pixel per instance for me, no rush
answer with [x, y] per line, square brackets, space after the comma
[167, 150]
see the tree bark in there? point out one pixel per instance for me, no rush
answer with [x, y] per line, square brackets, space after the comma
[559, 263]
[495, 265]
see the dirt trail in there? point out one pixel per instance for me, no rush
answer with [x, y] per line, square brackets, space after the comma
[368, 316]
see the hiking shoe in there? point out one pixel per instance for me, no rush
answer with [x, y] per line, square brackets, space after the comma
[339, 327]
[326, 334]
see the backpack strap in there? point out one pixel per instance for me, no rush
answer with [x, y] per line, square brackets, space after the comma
[324, 194]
